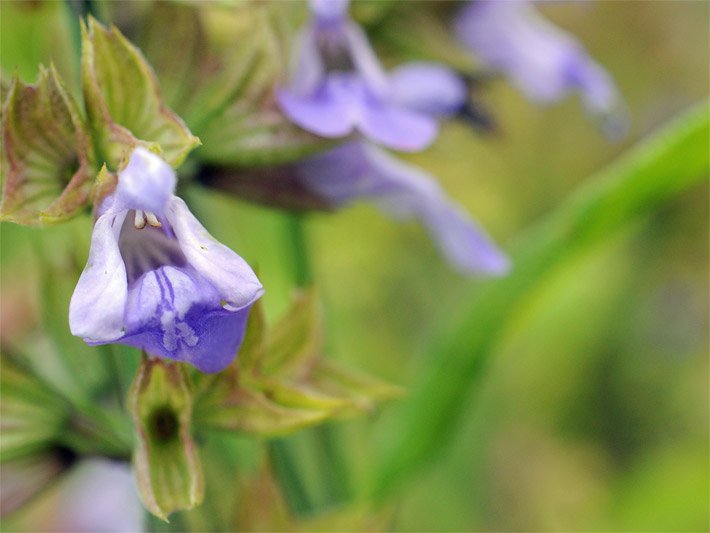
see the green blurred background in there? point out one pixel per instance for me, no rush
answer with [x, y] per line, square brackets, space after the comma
[594, 413]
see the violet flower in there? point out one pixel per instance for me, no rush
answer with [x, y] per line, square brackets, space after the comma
[155, 278]
[542, 61]
[339, 86]
[99, 495]
[362, 171]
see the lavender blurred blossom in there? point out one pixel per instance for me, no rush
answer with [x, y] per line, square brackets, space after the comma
[99, 496]
[542, 61]
[156, 279]
[339, 86]
[362, 171]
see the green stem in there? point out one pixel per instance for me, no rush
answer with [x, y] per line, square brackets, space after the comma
[332, 467]
[284, 466]
[280, 452]
[74, 30]
[298, 250]
[332, 464]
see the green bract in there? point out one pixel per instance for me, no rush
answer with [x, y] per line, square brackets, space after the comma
[123, 100]
[46, 152]
[226, 97]
[281, 380]
[166, 463]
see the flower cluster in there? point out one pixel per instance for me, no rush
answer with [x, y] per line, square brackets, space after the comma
[155, 278]
[340, 87]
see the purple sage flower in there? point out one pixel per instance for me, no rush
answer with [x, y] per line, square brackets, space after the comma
[339, 86]
[542, 61]
[155, 278]
[98, 495]
[362, 171]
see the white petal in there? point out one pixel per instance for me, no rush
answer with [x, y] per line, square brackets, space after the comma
[147, 182]
[97, 306]
[233, 278]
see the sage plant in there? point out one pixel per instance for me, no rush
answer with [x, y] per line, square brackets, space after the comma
[160, 117]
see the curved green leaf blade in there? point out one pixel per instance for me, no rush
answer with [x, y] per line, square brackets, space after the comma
[31, 415]
[247, 129]
[653, 173]
[281, 382]
[26, 477]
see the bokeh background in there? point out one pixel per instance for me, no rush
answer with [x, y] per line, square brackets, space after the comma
[594, 412]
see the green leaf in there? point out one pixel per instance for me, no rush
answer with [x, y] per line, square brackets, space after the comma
[255, 134]
[362, 390]
[180, 74]
[31, 415]
[239, 408]
[297, 338]
[46, 153]
[252, 350]
[281, 382]
[651, 174]
[167, 467]
[301, 395]
[419, 34]
[235, 112]
[123, 99]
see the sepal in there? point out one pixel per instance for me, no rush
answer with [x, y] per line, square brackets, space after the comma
[281, 381]
[46, 153]
[167, 467]
[123, 100]
[228, 98]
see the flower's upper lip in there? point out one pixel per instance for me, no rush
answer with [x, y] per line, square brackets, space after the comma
[146, 183]
[235, 281]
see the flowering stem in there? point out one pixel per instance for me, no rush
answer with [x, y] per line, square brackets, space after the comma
[284, 466]
[330, 457]
[302, 271]
[280, 453]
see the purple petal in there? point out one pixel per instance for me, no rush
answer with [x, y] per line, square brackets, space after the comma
[344, 102]
[464, 243]
[219, 335]
[166, 294]
[428, 87]
[329, 11]
[146, 183]
[600, 97]
[362, 171]
[98, 495]
[396, 127]
[176, 313]
[309, 70]
[322, 113]
[229, 274]
[367, 66]
[96, 307]
[514, 38]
